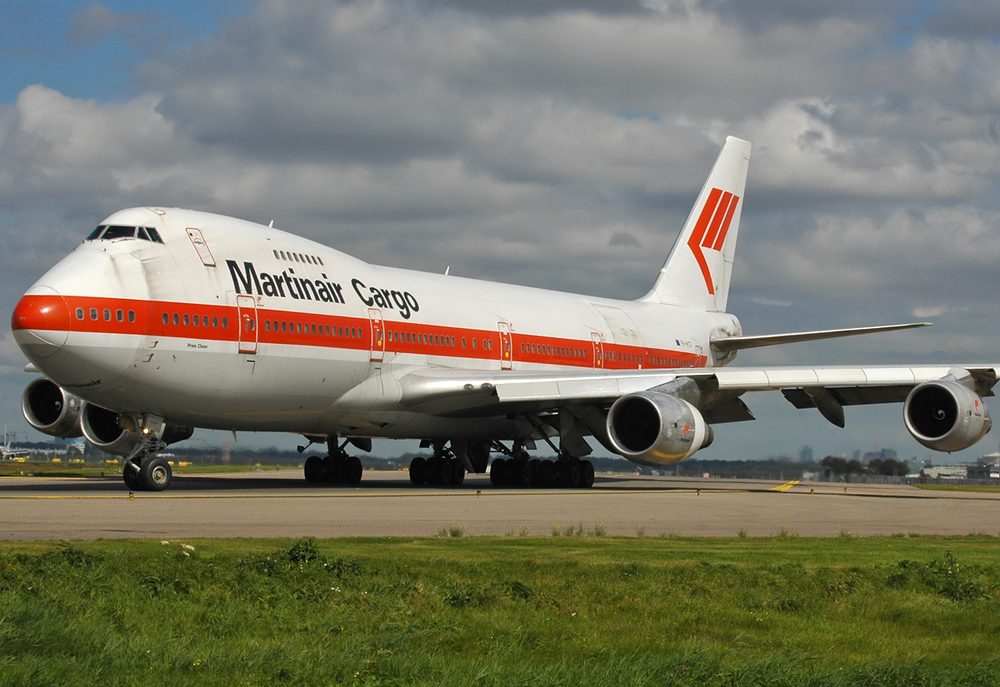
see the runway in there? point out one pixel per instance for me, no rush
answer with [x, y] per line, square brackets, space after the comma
[270, 504]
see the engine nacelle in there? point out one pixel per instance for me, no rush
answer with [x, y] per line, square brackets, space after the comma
[51, 410]
[656, 429]
[118, 434]
[944, 415]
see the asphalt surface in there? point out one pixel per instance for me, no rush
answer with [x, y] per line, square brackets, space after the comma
[270, 504]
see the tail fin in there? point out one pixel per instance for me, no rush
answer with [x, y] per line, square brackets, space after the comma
[697, 272]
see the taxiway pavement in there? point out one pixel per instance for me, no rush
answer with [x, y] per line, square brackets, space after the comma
[270, 504]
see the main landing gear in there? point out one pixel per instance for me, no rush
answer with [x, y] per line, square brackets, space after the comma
[519, 470]
[443, 469]
[337, 467]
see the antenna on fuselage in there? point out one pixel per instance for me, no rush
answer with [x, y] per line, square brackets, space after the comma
[447, 270]
[270, 225]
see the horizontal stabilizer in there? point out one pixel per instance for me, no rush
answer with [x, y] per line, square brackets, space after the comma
[739, 343]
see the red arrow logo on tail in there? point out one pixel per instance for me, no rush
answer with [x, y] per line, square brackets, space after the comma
[711, 229]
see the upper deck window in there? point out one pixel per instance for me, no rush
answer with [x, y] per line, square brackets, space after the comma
[113, 231]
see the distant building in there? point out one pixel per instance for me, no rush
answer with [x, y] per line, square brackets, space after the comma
[806, 454]
[944, 472]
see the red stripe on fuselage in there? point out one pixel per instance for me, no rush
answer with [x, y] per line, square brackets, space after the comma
[221, 323]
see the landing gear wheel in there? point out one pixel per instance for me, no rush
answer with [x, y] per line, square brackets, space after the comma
[155, 474]
[457, 472]
[587, 474]
[352, 470]
[131, 478]
[498, 472]
[418, 471]
[439, 471]
[314, 469]
[519, 472]
[572, 474]
[543, 474]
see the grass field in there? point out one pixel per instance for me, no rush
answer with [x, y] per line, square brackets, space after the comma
[981, 488]
[512, 610]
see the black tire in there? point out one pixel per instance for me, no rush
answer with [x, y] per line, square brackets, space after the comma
[418, 471]
[457, 472]
[333, 470]
[536, 476]
[313, 470]
[573, 475]
[520, 475]
[498, 472]
[352, 470]
[543, 474]
[587, 470]
[155, 474]
[131, 478]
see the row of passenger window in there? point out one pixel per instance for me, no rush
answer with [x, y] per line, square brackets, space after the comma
[119, 315]
[309, 328]
[196, 320]
[298, 257]
[545, 349]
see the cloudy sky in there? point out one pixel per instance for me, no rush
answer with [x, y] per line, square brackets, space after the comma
[552, 143]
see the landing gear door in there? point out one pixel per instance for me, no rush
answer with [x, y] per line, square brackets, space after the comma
[598, 340]
[506, 346]
[378, 335]
[246, 308]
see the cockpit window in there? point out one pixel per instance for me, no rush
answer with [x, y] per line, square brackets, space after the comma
[114, 232]
[108, 232]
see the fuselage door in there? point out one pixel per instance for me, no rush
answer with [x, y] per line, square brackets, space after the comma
[598, 340]
[378, 334]
[246, 308]
[200, 245]
[506, 346]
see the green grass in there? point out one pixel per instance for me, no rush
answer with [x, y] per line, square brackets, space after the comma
[515, 610]
[983, 488]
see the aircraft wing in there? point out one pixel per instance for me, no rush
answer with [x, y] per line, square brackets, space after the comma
[472, 393]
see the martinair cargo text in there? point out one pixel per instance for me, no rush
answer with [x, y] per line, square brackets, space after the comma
[165, 320]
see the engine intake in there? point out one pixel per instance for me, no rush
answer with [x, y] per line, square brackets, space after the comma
[945, 415]
[51, 410]
[655, 429]
[115, 433]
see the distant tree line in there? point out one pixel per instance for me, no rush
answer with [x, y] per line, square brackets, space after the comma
[834, 466]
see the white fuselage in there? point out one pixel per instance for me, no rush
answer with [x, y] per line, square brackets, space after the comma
[232, 325]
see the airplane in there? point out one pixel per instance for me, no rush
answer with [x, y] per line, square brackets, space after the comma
[8, 452]
[165, 319]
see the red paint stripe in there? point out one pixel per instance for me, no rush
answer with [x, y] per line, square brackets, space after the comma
[721, 240]
[720, 212]
[541, 350]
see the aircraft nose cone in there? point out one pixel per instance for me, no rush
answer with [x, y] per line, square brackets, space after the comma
[41, 322]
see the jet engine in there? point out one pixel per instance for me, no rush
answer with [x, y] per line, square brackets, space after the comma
[945, 415]
[107, 430]
[51, 410]
[656, 429]
[118, 434]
